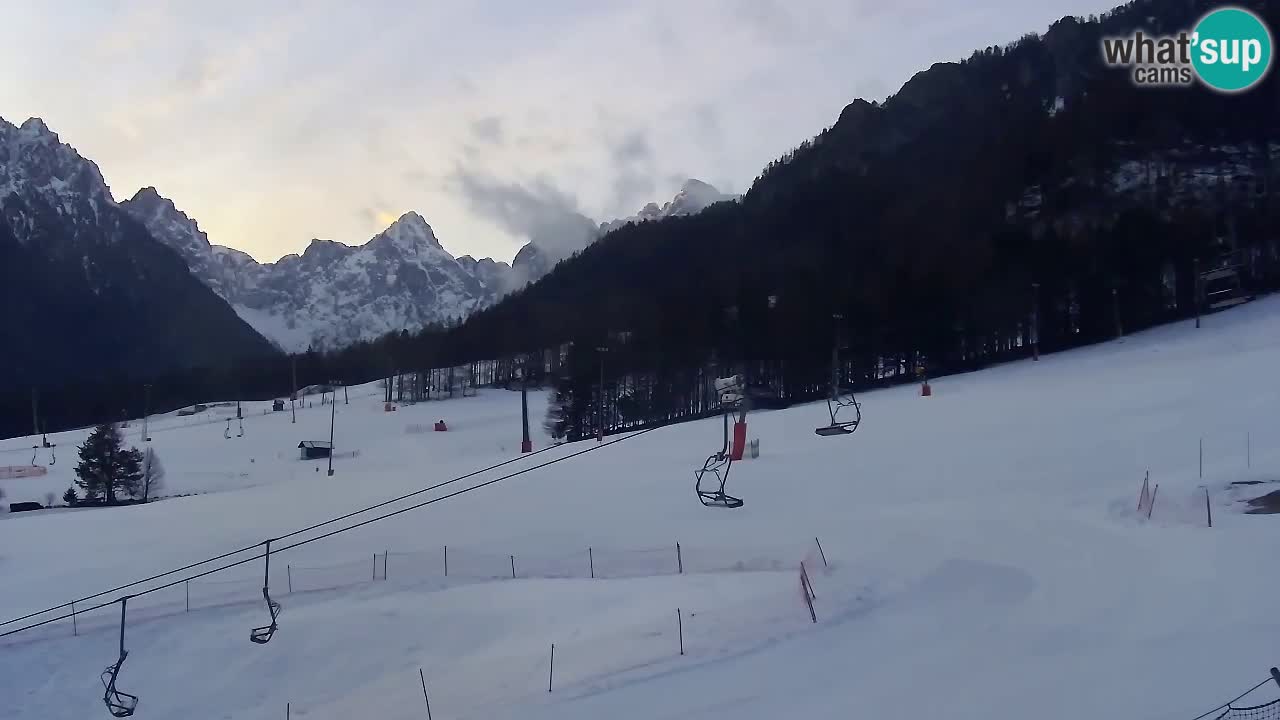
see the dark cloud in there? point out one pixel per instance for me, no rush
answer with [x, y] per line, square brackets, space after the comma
[488, 129]
[539, 211]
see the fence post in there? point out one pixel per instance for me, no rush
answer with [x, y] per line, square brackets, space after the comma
[821, 551]
[75, 631]
[1152, 506]
[1275, 675]
[804, 573]
[679, 560]
[425, 699]
[808, 593]
[375, 566]
[288, 573]
[552, 672]
[386, 554]
[591, 560]
[288, 711]
[188, 586]
[680, 629]
[513, 567]
[446, 561]
[1208, 511]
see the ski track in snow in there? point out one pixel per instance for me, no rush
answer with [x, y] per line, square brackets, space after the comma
[987, 558]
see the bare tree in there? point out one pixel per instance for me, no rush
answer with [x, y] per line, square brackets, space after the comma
[152, 473]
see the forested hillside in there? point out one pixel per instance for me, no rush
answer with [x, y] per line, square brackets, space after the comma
[1025, 178]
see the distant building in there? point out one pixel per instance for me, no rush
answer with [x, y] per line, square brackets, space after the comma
[315, 449]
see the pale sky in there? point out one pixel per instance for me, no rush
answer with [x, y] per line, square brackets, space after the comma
[274, 122]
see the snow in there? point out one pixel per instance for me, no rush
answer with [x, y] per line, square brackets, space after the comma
[334, 294]
[986, 557]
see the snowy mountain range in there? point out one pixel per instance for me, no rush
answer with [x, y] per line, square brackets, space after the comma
[335, 294]
[86, 291]
[329, 296]
[332, 294]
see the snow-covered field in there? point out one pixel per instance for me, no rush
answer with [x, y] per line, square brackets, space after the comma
[986, 557]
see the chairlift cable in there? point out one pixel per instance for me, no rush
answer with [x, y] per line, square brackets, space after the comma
[329, 534]
[255, 546]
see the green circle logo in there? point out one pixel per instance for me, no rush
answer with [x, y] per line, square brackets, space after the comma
[1232, 49]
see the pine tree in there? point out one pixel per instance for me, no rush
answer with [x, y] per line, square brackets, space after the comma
[106, 470]
[69, 497]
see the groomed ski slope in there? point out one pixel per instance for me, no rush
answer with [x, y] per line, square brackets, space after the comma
[986, 557]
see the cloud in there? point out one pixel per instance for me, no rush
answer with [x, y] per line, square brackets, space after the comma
[633, 182]
[488, 129]
[539, 211]
[376, 216]
[244, 109]
[634, 147]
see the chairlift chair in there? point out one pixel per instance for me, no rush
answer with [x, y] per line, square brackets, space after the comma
[838, 426]
[839, 401]
[262, 635]
[119, 704]
[226, 432]
[714, 474]
[241, 433]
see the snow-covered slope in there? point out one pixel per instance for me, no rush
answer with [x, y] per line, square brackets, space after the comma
[986, 559]
[332, 294]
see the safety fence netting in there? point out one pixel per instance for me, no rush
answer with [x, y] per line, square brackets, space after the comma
[620, 634]
[428, 569]
[1238, 708]
[1269, 711]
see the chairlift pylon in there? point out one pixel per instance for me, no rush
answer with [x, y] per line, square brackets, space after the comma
[262, 635]
[717, 466]
[838, 401]
[119, 704]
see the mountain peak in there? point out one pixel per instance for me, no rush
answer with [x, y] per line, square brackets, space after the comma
[411, 218]
[150, 199]
[147, 194]
[35, 126]
[696, 185]
[410, 230]
[694, 196]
